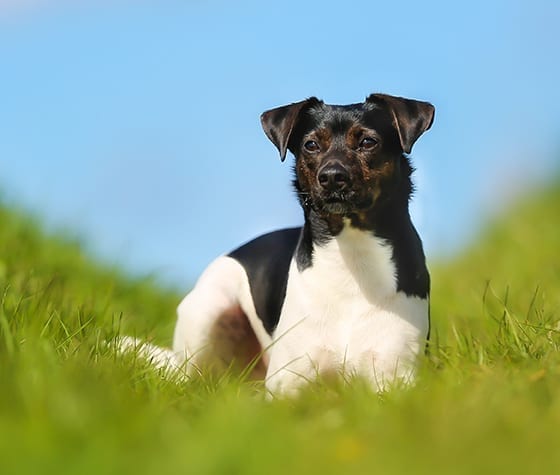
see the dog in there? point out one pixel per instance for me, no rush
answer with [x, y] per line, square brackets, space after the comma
[348, 292]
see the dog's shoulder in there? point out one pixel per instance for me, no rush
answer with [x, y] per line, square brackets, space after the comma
[266, 260]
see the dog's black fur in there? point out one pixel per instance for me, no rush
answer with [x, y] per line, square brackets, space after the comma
[351, 166]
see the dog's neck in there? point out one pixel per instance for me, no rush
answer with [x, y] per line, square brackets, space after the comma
[354, 262]
[389, 223]
[384, 221]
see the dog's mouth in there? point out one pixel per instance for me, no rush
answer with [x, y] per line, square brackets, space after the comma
[336, 207]
[340, 202]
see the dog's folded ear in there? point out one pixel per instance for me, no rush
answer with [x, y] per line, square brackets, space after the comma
[279, 123]
[411, 118]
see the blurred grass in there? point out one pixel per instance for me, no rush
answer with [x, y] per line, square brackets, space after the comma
[486, 400]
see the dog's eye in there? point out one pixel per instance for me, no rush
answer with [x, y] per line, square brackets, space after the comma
[311, 146]
[367, 143]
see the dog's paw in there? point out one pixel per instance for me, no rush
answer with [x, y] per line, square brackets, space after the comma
[161, 358]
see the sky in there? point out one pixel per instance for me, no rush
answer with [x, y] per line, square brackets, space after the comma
[134, 125]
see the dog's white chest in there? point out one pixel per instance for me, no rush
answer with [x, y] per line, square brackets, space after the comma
[344, 314]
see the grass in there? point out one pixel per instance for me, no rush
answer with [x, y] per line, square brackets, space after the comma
[486, 400]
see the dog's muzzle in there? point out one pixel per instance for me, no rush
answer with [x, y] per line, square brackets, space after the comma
[333, 177]
[335, 187]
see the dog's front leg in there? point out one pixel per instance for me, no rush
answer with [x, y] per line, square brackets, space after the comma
[291, 368]
[288, 373]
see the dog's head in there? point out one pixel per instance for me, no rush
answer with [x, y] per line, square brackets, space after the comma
[349, 158]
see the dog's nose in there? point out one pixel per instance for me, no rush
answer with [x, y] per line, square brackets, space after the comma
[333, 176]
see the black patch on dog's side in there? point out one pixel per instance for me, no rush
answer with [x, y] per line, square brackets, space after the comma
[266, 261]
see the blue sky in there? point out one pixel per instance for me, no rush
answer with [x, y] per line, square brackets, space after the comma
[135, 125]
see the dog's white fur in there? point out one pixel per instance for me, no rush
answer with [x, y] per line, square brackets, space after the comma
[343, 315]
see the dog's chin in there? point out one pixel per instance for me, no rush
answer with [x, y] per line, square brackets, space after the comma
[336, 207]
[340, 204]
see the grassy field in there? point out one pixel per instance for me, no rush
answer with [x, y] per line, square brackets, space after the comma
[487, 400]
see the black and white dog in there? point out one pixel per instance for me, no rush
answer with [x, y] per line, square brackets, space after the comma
[346, 293]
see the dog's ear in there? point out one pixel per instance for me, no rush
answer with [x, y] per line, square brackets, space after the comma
[279, 123]
[411, 118]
